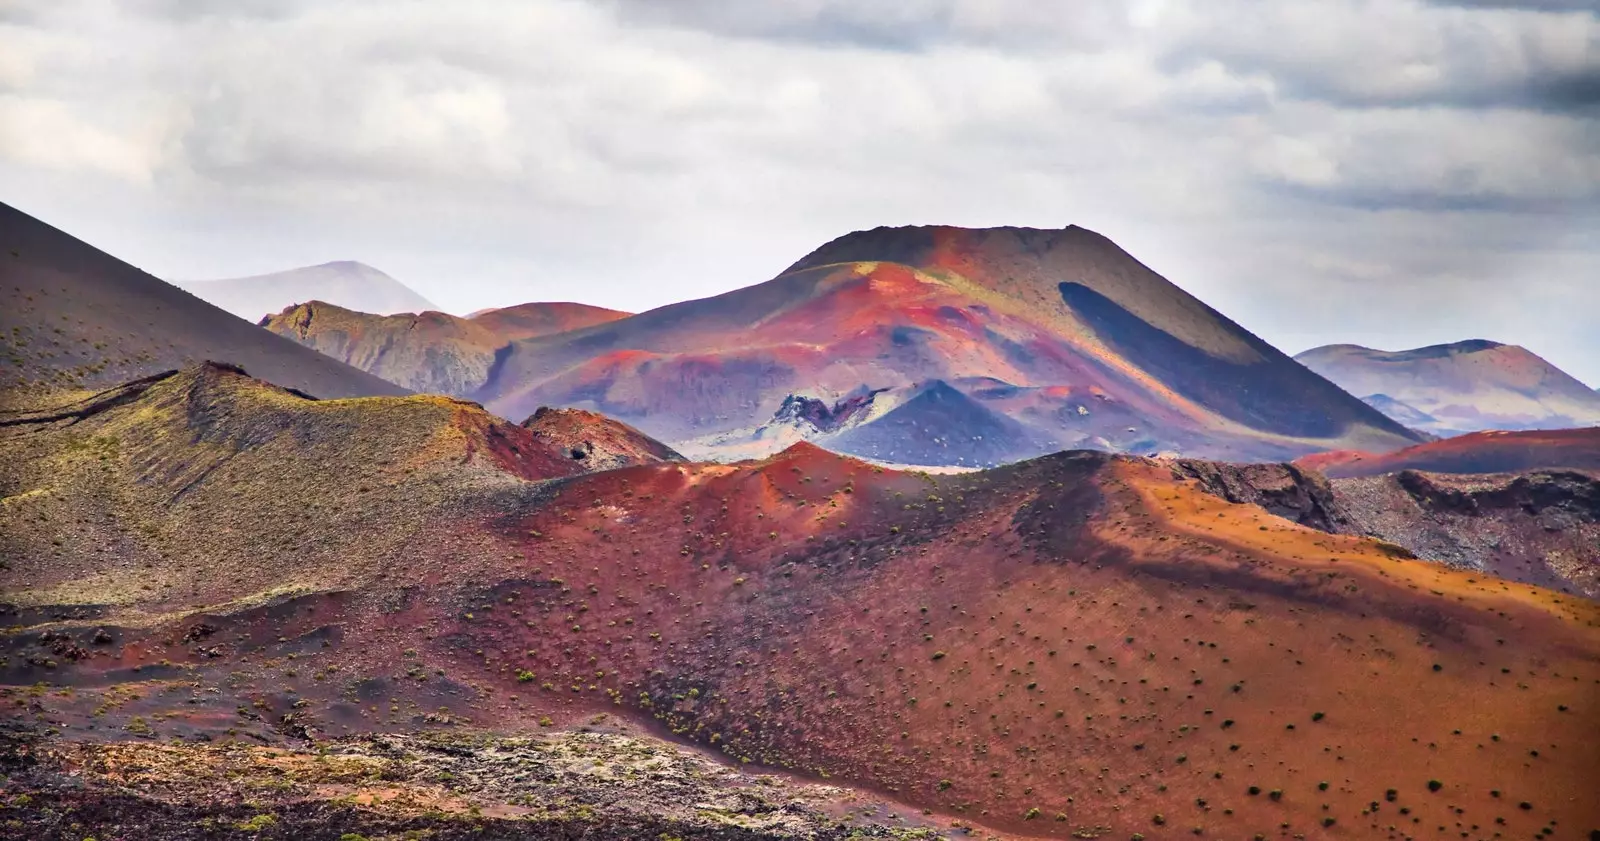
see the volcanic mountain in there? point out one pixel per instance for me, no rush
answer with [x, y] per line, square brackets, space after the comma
[1081, 645]
[1461, 387]
[1091, 347]
[432, 351]
[73, 316]
[344, 283]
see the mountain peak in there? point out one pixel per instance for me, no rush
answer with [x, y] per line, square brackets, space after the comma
[1464, 386]
[348, 284]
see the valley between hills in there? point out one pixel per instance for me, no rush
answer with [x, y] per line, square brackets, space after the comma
[251, 590]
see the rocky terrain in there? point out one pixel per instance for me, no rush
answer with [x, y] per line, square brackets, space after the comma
[345, 283]
[1078, 645]
[1539, 526]
[1462, 387]
[595, 782]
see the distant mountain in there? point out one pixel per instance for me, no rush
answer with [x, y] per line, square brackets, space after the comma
[72, 316]
[430, 351]
[345, 283]
[1461, 387]
[1059, 330]
[1477, 452]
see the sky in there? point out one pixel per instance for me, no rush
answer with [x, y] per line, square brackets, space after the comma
[1393, 173]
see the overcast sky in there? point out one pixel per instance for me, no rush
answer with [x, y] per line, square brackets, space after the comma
[1385, 172]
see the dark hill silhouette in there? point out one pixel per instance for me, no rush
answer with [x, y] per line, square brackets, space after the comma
[73, 316]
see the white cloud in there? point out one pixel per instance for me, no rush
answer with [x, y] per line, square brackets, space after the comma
[631, 152]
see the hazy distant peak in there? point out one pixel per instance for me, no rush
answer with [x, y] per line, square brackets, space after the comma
[1464, 386]
[349, 284]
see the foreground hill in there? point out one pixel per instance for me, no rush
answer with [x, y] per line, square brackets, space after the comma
[1079, 645]
[72, 316]
[1462, 387]
[432, 351]
[1067, 333]
[344, 283]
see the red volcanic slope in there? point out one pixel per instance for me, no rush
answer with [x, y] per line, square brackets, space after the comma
[1102, 338]
[1078, 635]
[597, 441]
[1478, 452]
[526, 321]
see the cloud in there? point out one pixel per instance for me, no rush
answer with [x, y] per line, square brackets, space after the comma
[1434, 158]
[1368, 53]
[892, 25]
[630, 152]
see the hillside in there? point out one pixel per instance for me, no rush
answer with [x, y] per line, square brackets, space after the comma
[344, 283]
[1479, 452]
[1461, 387]
[430, 352]
[1539, 527]
[1078, 645]
[1110, 354]
[73, 317]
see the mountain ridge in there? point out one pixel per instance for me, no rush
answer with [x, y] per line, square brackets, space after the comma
[74, 317]
[1467, 386]
[894, 306]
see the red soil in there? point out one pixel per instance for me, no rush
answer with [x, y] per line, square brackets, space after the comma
[1478, 452]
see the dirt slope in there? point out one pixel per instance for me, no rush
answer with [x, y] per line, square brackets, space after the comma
[345, 283]
[72, 316]
[431, 352]
[1075, 645]
[1093, 334]
[1461, 387]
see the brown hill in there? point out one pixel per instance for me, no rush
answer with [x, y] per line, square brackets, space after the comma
[1075, 645]
[72, 316]
[1096, 337]
[597, 441]
[429, 352]
[1461, 387]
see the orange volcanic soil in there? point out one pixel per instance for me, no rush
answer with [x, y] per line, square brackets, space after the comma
[1078, 644]
[1478, 452]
